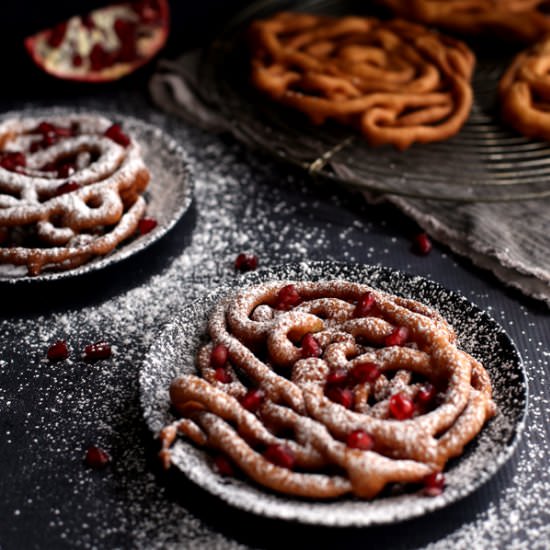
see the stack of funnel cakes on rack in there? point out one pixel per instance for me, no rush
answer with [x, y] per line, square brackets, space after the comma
[321, 389]
[525, 20]
[70, 189]
[396, 81]
[525, 91]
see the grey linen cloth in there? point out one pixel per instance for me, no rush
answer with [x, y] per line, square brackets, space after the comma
[510, 239]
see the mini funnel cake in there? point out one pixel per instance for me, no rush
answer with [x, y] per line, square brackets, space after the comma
[397, 82]
[70, 189]
[321, 389]
[523, 20]
[524, 91]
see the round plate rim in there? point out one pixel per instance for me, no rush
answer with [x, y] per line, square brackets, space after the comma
[299, 513]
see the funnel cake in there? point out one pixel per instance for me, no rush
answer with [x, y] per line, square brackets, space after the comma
[524, 91]
[70, 189]
[523, 20]
[396, 81]
[320, 389]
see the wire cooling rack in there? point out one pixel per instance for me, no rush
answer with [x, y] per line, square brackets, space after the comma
[485, 162]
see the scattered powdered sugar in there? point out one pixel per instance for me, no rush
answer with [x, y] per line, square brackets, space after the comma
[52, 411]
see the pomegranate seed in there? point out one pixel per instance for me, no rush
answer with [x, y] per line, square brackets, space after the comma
[48, 140]
[100, 58]
[422, 244]
[398, 337]
[222, 375]
[339, 395]
[401, 406]
[434, 484]
[359, 439]
[99, 350]
[57, 35]
[223, 466]
[77, 60]
[287, 298]
[218, 356]
[337, 377]
[58, 351]
[12, 160]
[310, 346]
[426, 394]
[88, 21]
[253, 399]
[365, 372]
[66, 187]
[96, 457]
[246, 262]
[65, 170]
[115, 133]
[145, 225]
[45, 128]
[280, 455]
[364, 305]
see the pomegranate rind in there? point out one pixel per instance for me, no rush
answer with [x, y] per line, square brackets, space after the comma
[149, 48]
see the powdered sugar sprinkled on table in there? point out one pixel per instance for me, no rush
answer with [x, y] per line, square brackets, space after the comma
[74, 403]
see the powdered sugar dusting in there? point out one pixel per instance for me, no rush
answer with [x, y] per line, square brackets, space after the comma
[242, 203]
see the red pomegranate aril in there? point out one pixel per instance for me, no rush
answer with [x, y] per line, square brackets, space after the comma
[65, 170]
[422, 244]
[398, 337]
[57, 35]
[360, 439]
[222, 375]
[58, 351]
[365, 372]
[401, 406]
[310, 346]
[66, 187]
[115, 133]
[246, 262]
[342, 396]
[223, 466]
[218, 356]
[77, 60]
[434, 484]
[96, 457]
[100, 58]
[252, 400]
[45, 128]
[12, 160]
[48, 140]
[99, 350]
[280, 455]
[146, 225]
[426, 394]
[337, 377]
[287, 298]
[365, 305]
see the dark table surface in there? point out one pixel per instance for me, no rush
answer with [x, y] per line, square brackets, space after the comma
[50, 412]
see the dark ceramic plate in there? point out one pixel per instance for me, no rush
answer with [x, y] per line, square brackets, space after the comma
[168, 195]
[173, 353]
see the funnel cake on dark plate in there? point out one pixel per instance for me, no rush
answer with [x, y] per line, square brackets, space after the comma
[70, 189]
[321, 389]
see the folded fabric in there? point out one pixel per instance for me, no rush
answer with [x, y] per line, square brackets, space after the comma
[511, 239]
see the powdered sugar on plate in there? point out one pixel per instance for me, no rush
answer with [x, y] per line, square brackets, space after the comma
[174, 351]
[168, 195]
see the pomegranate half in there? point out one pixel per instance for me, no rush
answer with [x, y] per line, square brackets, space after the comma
[104, 45]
